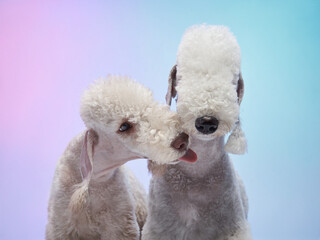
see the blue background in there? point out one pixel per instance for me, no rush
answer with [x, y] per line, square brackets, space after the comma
[50, 51]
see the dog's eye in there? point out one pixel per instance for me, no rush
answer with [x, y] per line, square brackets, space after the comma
[124, 127]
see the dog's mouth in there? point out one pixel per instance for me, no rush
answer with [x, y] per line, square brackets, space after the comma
[189, 156]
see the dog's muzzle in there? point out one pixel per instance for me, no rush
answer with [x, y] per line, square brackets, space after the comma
[180, 143]
[206, 124]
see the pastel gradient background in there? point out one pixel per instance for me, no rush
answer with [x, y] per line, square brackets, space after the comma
[51, 51]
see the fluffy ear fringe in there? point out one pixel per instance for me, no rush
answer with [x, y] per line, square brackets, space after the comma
[237, 143]
[79, 197]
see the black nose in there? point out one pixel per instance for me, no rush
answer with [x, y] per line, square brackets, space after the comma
[206, 124]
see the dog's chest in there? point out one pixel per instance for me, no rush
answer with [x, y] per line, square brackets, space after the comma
[207, 202]
[109, 206]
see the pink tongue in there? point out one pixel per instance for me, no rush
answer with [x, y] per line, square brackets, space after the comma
[190, 156]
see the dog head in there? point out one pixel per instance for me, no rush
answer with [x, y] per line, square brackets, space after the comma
[208, 84]
[130, 124]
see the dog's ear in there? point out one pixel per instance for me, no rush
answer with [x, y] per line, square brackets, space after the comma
[86, 156]
[80, 194]
[237, 143]
[240, 89]
[172, 82]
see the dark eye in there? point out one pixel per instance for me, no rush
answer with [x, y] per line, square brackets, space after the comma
[124, 127]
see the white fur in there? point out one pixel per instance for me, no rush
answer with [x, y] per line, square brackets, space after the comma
[93, 196]
[237, 143]
[206, 199]
[208, 67]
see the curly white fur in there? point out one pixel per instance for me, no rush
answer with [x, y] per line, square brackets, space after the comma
[208, 68]
[108, 103]
[93, 196]
[206, 199]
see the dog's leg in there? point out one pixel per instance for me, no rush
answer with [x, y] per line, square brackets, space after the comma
[139, 197]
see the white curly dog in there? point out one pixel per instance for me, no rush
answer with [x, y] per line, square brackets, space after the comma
[205, 200]
[93, 196]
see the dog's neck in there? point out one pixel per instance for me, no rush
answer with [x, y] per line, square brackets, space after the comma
[102, 171]
[209, 152]
[108, 156]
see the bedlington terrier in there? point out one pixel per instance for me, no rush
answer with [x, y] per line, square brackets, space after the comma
[93, 196]
[206, 199]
